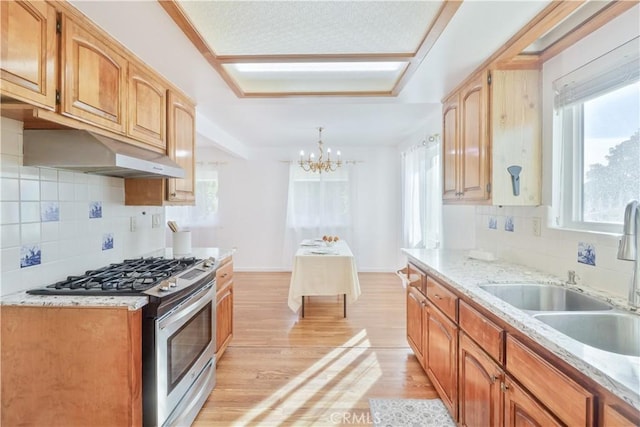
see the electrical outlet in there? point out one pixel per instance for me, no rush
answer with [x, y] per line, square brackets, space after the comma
[536, 226]
[155, 220]
[133, 225]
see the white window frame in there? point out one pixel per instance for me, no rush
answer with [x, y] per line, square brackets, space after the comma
[568, 133]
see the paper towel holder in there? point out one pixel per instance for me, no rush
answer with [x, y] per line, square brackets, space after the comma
[514, 171]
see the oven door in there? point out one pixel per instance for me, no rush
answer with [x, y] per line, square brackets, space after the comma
[185, 349]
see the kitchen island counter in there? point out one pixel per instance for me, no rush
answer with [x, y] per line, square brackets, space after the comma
[464, 274]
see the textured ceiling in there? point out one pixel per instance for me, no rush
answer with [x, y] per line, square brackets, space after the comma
[233, 33]
[311, 27]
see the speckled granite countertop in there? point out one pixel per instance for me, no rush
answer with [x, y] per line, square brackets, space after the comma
[617, 373]
[131, 302]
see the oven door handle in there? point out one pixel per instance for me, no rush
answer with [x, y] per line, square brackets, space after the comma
[185, 309]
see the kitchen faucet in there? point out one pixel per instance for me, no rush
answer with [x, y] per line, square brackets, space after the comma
[628, 247]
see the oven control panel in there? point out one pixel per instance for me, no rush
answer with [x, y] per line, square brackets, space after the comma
[184, 280]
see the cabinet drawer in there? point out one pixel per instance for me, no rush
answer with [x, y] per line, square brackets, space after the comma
[482, 330]
[442, 298]
[224, 274]
[571, 403]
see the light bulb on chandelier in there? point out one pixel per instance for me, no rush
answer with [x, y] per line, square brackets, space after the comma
[321, 165]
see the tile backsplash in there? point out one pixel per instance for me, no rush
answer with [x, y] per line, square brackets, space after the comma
[555, 251]
[56, 223]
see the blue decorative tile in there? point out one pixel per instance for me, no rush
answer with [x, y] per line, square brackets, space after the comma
[49, 211]
[493, 223]
[95, 210]
[508, 224]
[107, 241]
[586, 253]
[30, 255]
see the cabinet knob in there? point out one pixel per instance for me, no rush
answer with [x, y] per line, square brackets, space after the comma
[493, 378]
[436, 296]
[173, 194]
[504, 387]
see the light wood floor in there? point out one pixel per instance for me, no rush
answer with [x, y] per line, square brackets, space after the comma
[280, 369]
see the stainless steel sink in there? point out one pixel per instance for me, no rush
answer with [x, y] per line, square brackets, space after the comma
[540, 297]
[610, 331]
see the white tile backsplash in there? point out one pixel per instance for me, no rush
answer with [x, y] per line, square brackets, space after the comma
[74, 243]
[48, 190]
[9, 235]
[554, 251]
[29, 172]
[10, 189]
[29, 189]
[9, 212]
[30, 233]
[29, 212]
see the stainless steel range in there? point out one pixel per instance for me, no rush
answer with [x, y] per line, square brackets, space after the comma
[178, 328]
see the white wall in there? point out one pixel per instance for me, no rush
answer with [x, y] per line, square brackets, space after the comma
[74, 243]
[555, 250]
[253, 202]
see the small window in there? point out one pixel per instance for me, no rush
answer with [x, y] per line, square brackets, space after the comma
[598, 122]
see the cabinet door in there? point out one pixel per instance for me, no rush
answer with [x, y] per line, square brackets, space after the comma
[181, 145]
[147, 118]
[450, 141]
[565, 398]
[224, 319]
[28, 52]
[93, 78]
[473, 140]
[516, 136]
[415, 304]
[612, 417]
[442, 353]
[479, 395]
[522, 410]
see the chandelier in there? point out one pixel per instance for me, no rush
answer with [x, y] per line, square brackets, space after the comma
[312, 165]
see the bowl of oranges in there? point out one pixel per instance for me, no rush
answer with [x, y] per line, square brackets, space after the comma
[330, 240]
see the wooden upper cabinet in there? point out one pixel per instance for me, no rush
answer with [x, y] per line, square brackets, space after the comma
[516, 136]
[94, 78]
[466, 163]
[450, 147]
[474, 147]
[147, 118]
[29, 52]
[181, 146]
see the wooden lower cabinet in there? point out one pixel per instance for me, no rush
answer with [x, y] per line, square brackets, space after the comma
[224, 319]
[224, 307]
[416, 303]
[480, 378]
[441, 348]
[71, 366]
[569, 401]
[612, 416]
[521, 409]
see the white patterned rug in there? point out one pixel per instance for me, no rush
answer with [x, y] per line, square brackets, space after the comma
[409, 413]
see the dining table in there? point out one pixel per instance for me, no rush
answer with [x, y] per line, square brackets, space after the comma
[321, 269]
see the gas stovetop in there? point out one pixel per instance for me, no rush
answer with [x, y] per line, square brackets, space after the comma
[130, 277]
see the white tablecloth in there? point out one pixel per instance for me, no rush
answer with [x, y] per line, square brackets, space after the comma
[331, 273]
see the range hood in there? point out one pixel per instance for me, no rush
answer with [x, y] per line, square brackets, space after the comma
[88, 152]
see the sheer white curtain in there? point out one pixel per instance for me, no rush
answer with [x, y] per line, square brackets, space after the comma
[318, 205]
[421, 196]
